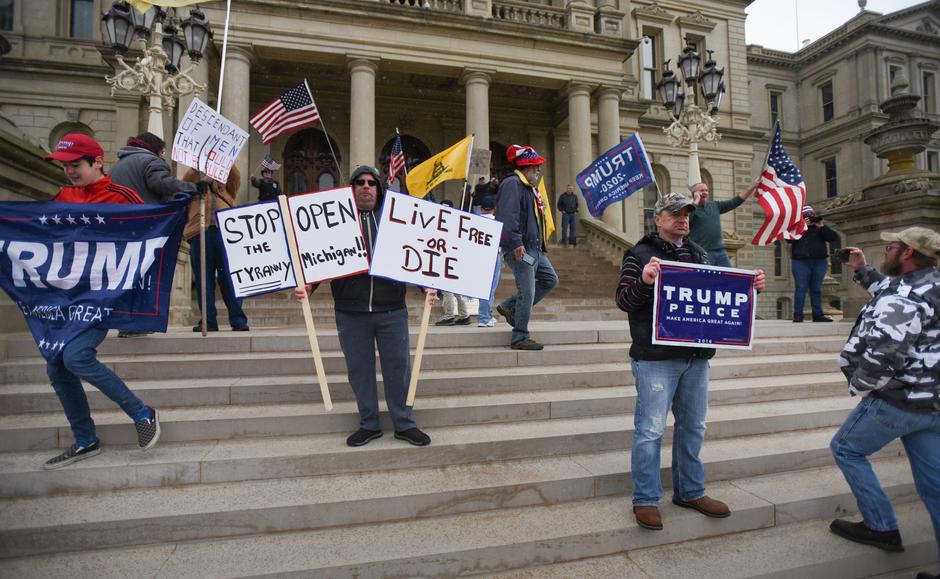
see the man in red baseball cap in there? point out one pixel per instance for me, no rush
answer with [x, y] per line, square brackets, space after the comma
[83, 160]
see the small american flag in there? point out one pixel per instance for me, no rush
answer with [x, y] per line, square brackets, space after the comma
[782, 194]
[290, 111]
[269, 163]
[396, 162]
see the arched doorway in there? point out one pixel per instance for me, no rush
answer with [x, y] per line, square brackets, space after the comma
[415, 152]
[308, 163]
[499, 166]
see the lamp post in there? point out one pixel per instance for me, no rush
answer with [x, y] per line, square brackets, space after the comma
[156, 74]
[691, 123]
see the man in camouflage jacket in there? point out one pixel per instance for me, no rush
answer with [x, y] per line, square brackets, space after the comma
[892, 360]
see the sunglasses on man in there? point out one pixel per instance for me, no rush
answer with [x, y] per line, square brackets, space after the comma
[368, 182]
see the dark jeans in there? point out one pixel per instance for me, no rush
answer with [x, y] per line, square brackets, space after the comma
[359, 334]
[80, 362]
[808, 274]
[216, 267]
[568, 221]
[533, 282]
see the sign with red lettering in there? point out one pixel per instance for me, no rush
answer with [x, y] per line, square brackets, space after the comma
[207, 141]
[431, 245]
[329, 237]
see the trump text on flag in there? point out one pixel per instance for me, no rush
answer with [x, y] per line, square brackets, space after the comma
[329, 238]
[207, 141]
[431, 245]
[615, 175]
[703, 306]
[256, 248]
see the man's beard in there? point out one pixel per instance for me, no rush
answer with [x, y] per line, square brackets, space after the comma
[892, 266]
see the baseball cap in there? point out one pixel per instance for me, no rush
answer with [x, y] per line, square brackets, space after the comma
[74, 146]
[921, 239]
[523, 156]
[673, 203]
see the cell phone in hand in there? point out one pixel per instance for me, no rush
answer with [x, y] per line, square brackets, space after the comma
[528, 258]
[844, 255]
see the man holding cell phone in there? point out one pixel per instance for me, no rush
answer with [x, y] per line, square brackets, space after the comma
[521, 209]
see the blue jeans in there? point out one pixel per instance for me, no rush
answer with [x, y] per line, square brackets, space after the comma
[808, 274]
[80, 362]
[682, 385]
[870, 426]
[568, 221]
[533, 282]
[719, 257]
[485, 312]
[359, 334]
[216, 267]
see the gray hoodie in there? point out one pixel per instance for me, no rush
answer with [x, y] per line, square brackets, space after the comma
[149, 175]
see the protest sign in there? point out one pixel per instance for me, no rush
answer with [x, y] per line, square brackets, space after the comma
[71, 266]
[615, 175]
[329, 238]
[207, 141]
[431, 245]
[703, 306]
[256, 250]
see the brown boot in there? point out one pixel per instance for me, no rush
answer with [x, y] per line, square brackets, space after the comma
[648, 518]
[705, 505]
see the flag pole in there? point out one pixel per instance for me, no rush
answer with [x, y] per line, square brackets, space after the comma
[328, 142]
[466, 171]
[228, 14]
[419, 349]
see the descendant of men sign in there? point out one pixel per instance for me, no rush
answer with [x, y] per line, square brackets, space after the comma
[431, 245]
[256, 248]
[329, 237]
[207, 141]
[615, 175]
[703, 306]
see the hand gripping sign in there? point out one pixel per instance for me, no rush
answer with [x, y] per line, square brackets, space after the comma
[704, 306]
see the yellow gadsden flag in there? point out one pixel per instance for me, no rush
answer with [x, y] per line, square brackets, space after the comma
[549, 222]
[447, 165]
[144, 5]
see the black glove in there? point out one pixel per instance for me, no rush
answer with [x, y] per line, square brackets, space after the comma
[202, 187]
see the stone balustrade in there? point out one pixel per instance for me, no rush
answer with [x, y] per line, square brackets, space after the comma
[605, 241]
[437, 5]
[524, 13]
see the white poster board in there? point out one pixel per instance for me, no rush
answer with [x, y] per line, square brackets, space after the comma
[431, 245]
[207, 141]
[256, 248]
[329, 238]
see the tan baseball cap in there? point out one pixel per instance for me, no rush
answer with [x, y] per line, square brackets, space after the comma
[924, 240]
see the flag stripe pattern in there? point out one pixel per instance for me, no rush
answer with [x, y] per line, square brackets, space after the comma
[782, 194]
[269, 163]
[396, 162]
[292, 110]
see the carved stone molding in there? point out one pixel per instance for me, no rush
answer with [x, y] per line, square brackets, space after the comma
[653, 12]
[697, 21]
[912, 186]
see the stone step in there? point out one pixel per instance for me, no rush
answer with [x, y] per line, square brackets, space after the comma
[254, 450]
[69, 523]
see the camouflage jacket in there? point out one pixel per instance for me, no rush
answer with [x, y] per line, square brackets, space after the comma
[894, 349]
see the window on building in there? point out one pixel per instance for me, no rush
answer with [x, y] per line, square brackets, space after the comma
[928, 82]
[933, 161]
[778, 259]
[776, 107]
[6, 14]
[82, 18]
[828, 102]
[893, 71]
[829, 169]
[649, 57]
[649, 201]
[783, 309]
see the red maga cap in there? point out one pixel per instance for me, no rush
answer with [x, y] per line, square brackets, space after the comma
[520, 156]
[74, 146]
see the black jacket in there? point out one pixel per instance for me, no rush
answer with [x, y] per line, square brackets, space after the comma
[813, 243]
[268, 189]
[515, 208]
[568, 203]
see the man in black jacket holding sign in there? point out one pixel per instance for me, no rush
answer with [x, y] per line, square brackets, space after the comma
[666, 376]
[371, 312]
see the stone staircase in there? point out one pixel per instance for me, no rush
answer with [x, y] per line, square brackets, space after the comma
[528, 474]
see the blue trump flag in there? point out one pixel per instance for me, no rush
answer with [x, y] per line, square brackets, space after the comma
[72, 266]
[703, 306]
[615, 175]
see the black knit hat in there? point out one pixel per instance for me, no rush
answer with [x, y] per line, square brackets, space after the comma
[370, 170]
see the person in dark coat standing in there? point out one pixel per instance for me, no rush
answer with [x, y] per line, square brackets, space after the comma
[141, 167]
[268, 187]
[809, 263]
[568, 205]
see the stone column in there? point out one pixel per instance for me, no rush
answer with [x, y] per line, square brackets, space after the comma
[477, 84]
[608, 136]
[579, 132]
[236, 102]
[361, 112]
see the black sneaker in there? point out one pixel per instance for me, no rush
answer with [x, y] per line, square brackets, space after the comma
[75, 453]
[239, 328]
[509, 314]
[363, 436]
[148, 431]
[414, 436]
[822, 319]
[859, 533]
[209, 328]
[445, 322]
[797, 318]
[527, 344]
[926, 575]
[462, 321]
[128, 334]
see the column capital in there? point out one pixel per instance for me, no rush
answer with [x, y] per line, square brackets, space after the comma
[605, 92]
[476, 76]
[356, 63]
[244, 52]
[575, 88]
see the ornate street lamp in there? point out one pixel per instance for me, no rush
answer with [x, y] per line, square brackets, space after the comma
[690, 123]
[157, 73]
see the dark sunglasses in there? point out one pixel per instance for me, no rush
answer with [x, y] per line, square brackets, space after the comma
[368, 182]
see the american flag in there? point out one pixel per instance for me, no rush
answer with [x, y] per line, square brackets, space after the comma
[396, 161]
[269, 163]
[782, 194]
[292, 110]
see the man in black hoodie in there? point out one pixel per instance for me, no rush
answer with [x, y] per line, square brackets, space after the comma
[370, 312]
[809, 262]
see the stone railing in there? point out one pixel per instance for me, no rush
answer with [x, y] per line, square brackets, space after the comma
[438, 5]
[524, 13]
[605, 241]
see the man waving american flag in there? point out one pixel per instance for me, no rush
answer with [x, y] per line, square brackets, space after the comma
[782, 194]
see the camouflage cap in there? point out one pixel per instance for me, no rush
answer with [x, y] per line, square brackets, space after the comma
[921, 239]
[673, 203]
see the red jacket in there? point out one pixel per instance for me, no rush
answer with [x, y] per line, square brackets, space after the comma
[101, 191]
